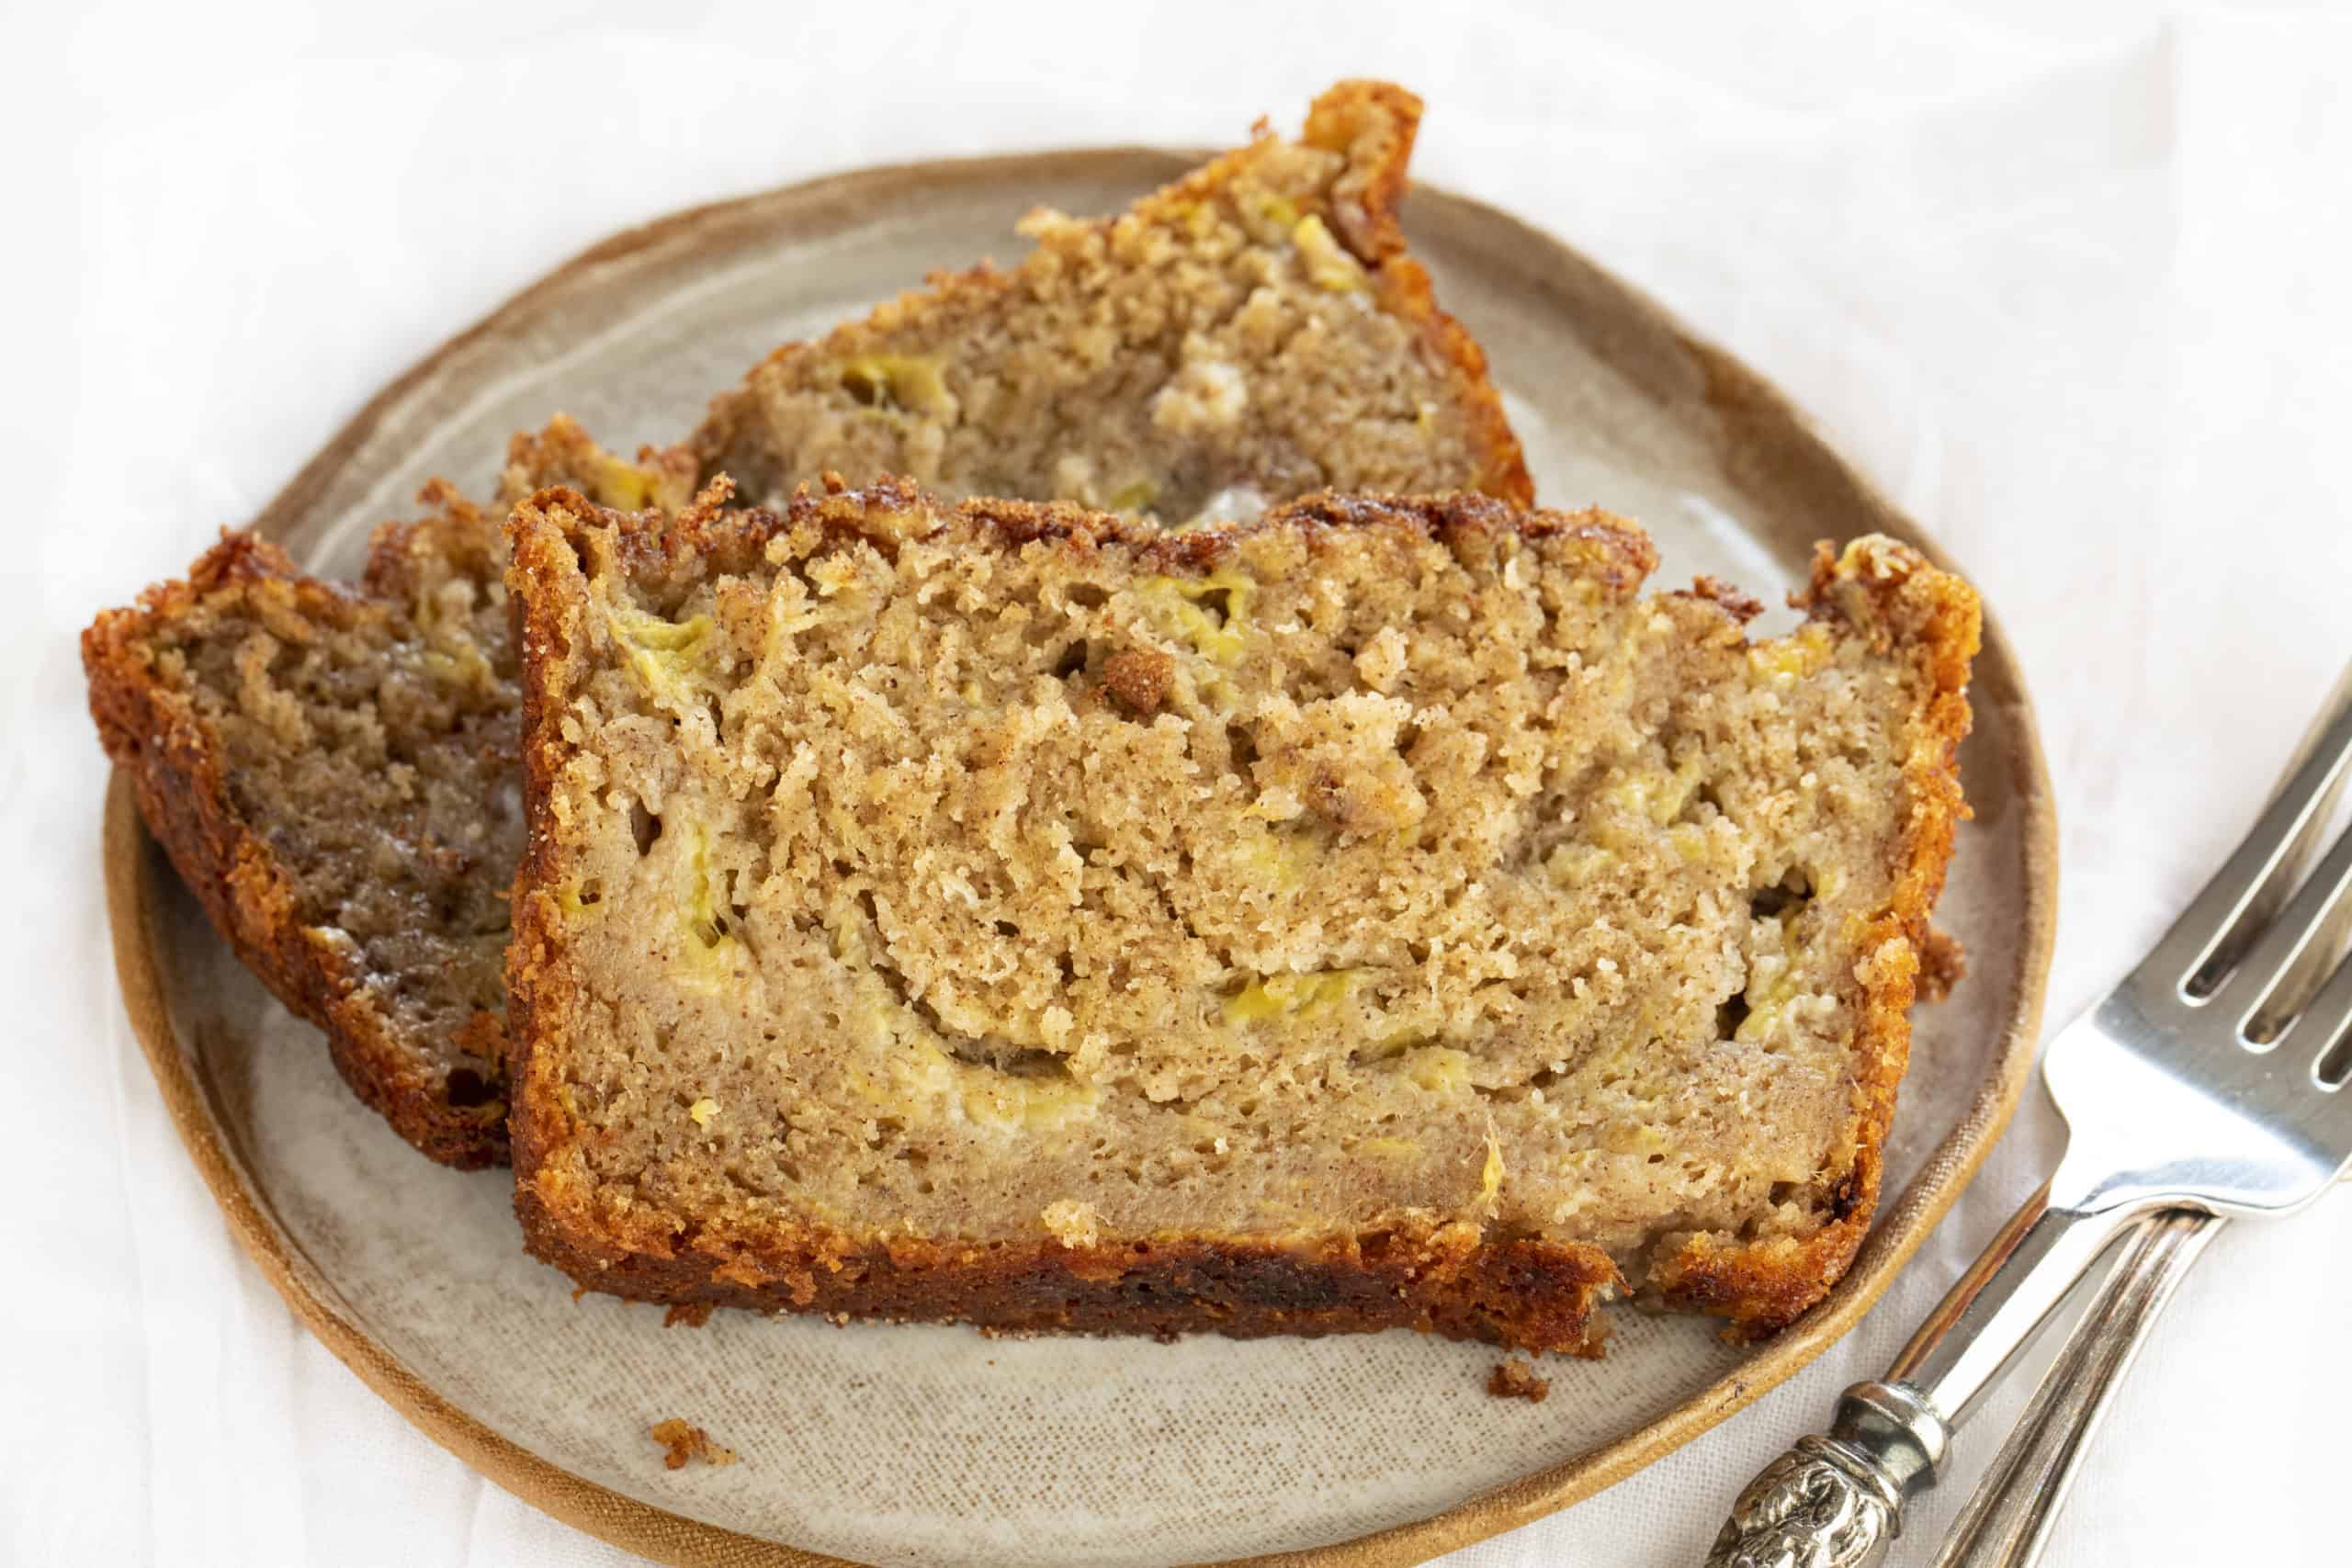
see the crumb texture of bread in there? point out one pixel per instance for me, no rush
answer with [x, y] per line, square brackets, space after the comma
[335, 773]
[1380, 913]
[1249, 333]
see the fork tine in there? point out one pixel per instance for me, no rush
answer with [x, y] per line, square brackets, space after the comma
[2194, 953]
[2260, 993]
[2320, 1025]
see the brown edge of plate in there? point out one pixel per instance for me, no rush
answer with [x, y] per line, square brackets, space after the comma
[1743, 400]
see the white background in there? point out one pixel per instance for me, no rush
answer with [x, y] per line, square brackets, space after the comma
[2070, 280]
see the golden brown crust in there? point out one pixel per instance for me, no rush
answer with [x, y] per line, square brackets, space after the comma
[1619, 555]
[1931, 619]
[1529, 1294]
[454, 527]
[177, 774]
[563, 453]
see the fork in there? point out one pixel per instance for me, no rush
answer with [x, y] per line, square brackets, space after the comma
[2208, 1086]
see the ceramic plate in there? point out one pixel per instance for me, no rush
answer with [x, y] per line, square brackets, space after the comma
[925, 1446]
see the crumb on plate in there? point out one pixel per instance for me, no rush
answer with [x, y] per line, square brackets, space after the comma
[687, 1441]
[1516, 1380]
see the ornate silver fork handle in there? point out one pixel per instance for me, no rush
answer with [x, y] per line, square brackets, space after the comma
[1836, 1502]
[2008, 1519]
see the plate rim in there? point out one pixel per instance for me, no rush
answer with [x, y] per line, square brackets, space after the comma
[132, 867]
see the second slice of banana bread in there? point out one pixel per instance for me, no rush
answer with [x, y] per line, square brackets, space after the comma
[1253, 331]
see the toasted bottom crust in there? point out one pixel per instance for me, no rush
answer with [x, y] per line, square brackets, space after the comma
[1530, 1295]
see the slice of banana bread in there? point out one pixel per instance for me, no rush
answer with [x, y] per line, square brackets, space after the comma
[1251, 333]
[1377, 914]
[335, 774]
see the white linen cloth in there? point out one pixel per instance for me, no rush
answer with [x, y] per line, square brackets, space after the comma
[2070, 281]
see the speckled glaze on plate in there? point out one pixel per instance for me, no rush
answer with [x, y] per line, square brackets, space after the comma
[929, 1446]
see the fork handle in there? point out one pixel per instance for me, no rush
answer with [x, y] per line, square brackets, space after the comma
[1837, 1500]
[2006, 1521]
